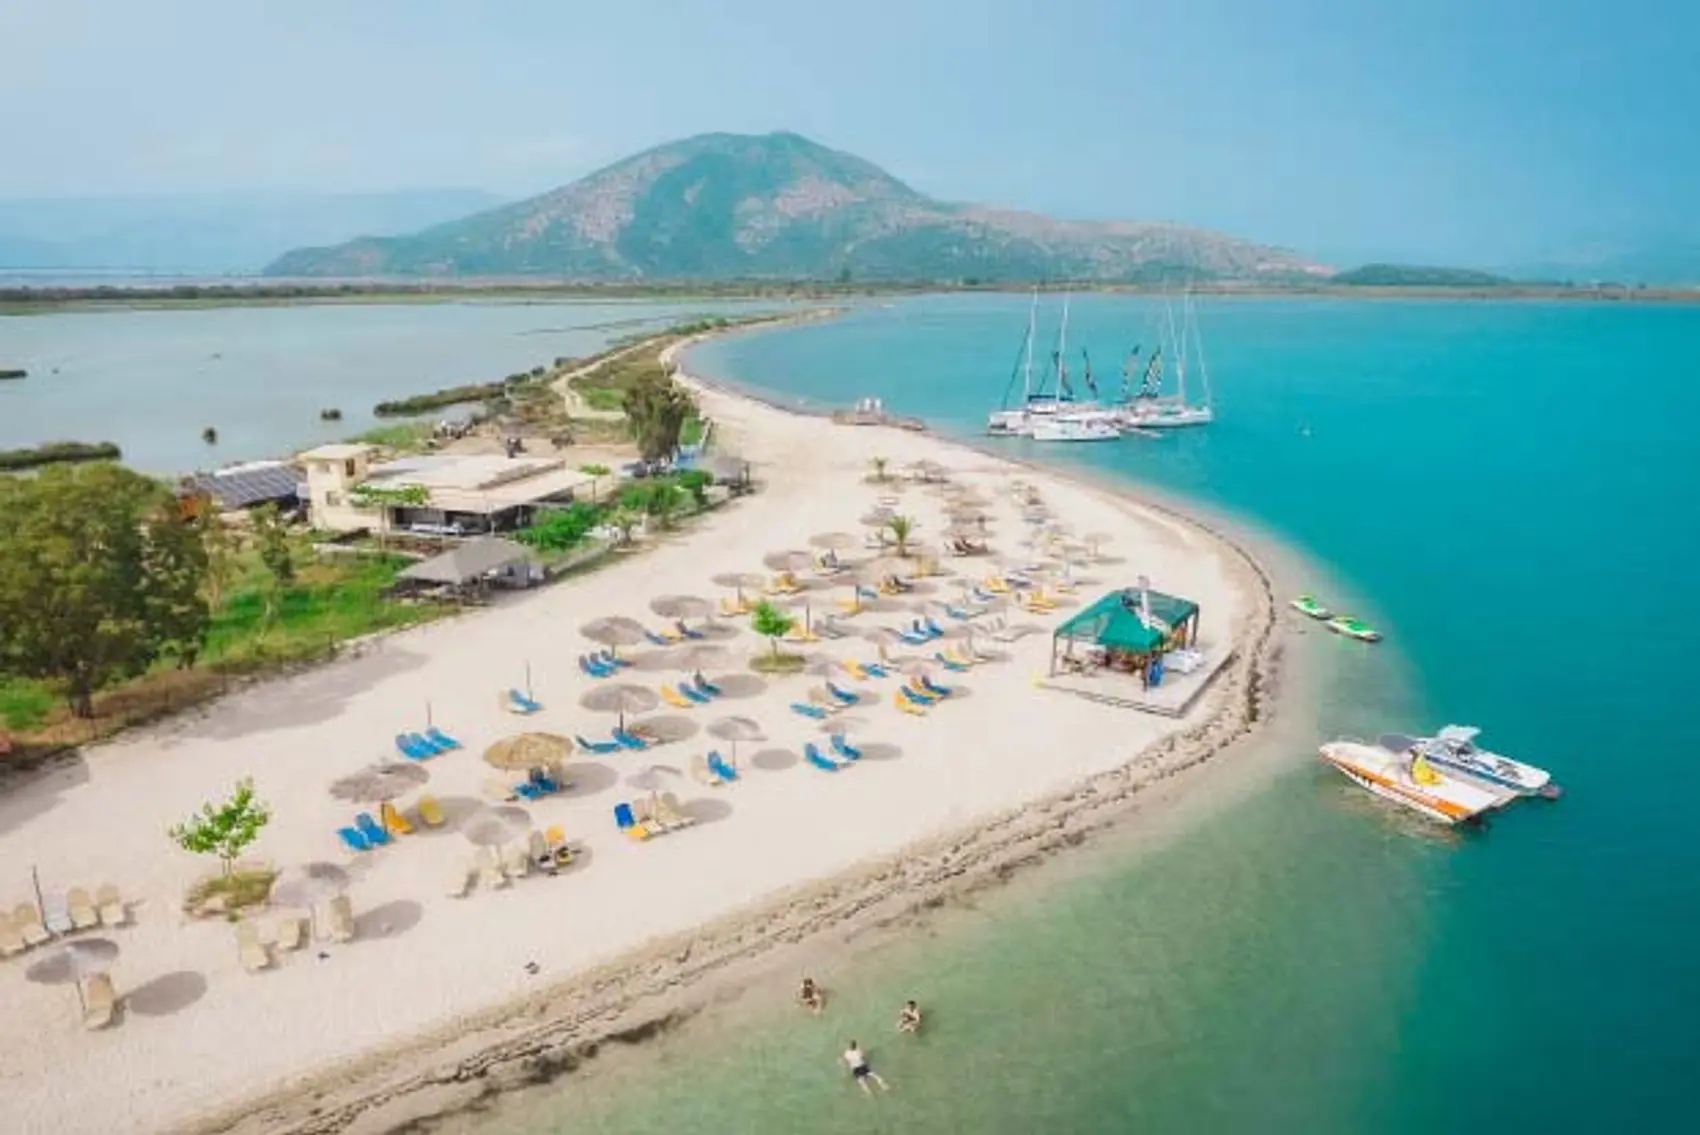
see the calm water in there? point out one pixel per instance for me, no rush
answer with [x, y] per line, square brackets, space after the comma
[1511, 488]
[153, 380]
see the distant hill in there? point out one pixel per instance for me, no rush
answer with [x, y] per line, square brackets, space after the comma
[1414, 276]
[728, 206]
[207, 233]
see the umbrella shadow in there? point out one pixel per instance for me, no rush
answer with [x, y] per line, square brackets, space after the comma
[774, 760]
[587, 778]
[390, 920]
[879, 751]
[706, 810]
[167, 994]
[740, 685]
[668, 728]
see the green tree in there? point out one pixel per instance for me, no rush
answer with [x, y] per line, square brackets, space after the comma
[101, 574]
[225, 830]
[771, 623]
[656, 408]
[901, 528]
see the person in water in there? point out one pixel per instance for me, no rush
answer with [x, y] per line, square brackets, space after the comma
[810, 995]
[909, 1017]
[861, 1071]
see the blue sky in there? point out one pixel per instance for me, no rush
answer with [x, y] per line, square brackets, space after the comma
[1470, 131]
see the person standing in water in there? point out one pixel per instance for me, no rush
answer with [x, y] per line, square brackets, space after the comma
[909, 1017]
[863, 1073]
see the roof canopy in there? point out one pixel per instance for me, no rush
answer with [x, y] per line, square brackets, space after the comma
[1115, 620]
[469, 561]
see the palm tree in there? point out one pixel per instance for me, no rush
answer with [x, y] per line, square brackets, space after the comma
[901, 528]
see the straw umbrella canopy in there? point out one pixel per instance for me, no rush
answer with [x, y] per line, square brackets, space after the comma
[306, 886]
[734, 730]
[622, 699]
[493, 827]
[682, 607]
[788, 560]
[72, 962]
[613, 631]
[379, 783]
[739, 580]
[526, 751]
[833, 541]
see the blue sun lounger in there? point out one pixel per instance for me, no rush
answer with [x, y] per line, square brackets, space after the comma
[353, 840]
[629, 740]
[820, 760]
[596, 746]
[371, 829]
[808, 710]
[440, 739]
[718, 765]
[844, 748]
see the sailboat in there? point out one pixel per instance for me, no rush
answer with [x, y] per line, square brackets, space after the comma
[1047, 416]
[1149, 408]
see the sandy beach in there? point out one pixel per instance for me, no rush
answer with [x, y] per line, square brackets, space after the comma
[440, 999]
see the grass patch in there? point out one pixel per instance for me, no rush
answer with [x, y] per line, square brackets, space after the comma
[225, 894]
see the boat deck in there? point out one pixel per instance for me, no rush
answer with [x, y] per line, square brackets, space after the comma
[1173, 698]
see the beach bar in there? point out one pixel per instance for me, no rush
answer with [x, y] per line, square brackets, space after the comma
[1129, 631]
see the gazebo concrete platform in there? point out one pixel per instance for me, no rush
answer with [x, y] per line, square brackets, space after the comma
[1171, 699]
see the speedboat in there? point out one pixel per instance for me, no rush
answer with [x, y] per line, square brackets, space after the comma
[1307, 605]
[1408, 778]
[1353, 627]
[1454, 748]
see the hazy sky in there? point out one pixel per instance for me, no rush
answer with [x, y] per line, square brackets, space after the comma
[1476, 131]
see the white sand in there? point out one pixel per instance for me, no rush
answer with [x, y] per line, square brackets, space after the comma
[104, 818]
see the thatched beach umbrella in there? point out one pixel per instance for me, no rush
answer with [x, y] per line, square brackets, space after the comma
[526, 751]
[379, 783]
[613, 631]
[621, 699]
[682, 607]
[734, 730]
[739, 581]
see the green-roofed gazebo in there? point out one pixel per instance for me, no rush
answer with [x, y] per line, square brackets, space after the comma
[1131, 626]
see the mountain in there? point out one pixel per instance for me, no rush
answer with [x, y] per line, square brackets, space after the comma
[207, 233]
[1415, 276]
[778, 205]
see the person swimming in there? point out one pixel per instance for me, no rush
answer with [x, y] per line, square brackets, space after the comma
[809, 995]
[861, 1071]
[909, 1017]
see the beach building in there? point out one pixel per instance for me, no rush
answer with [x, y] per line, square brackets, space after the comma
[1128, 631]
[439, 494]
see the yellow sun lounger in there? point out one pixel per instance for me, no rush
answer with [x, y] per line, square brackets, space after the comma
[674, 698]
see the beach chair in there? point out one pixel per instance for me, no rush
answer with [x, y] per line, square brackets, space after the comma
[289, 935]
[627, 822]
[820, 760]
[29, 924]
[392, 819]
[250, 950]
[703, 773]
[808, 710]
[11, 938]
[431, 812]
[81, 909]
[100, 1001]
[596, 746]
[629, 740]
[371, 829]
[844, 748]
[673, 813]
[460, 881]
[520, 703]
[674, 698]
[442, 740]
[341, 919]
[848, 697]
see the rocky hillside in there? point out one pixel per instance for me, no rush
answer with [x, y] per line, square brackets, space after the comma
[722, 206]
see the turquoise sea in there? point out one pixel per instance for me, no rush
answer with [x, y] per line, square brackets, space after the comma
[1509, 491]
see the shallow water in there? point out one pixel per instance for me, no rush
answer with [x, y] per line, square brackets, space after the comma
[153, 380]
[1509, 488]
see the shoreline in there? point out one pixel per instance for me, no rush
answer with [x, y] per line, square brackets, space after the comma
[535, 1039]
